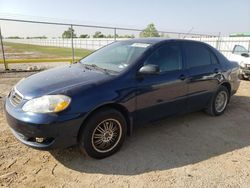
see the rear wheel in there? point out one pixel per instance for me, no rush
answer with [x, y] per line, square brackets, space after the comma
[219, 102]
[104, 133]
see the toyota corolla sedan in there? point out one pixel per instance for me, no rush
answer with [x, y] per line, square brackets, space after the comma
[97, 101]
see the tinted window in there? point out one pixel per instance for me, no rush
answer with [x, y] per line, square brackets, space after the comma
[197, 55]
[213, 59]
[167, 57]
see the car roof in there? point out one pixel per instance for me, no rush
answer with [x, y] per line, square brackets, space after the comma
[159, 40]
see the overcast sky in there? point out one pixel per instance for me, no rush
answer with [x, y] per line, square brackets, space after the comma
[204, 16]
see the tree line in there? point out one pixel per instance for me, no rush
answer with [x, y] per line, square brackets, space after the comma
[97, 34]
[149, 31]
[17, 37]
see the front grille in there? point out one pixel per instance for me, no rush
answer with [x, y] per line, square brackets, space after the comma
[15, 97]
[246, 68]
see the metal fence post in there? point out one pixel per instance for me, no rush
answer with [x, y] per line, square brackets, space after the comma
[248, 46]
[4, 61]
[72, 44]
[218, 42]
[115, 34]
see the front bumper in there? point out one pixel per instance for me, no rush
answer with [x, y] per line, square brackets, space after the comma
[58, 131]
[245, 71]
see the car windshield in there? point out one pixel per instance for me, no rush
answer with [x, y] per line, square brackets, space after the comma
[116, 56]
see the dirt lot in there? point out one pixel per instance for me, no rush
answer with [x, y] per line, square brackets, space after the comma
[194, 150]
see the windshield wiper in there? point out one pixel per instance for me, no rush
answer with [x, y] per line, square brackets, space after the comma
[95, 67]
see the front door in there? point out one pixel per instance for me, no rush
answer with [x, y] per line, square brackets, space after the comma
[163, 94]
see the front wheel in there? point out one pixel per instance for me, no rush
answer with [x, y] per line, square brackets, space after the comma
[219, 102]
[241, 76]
[104, 133]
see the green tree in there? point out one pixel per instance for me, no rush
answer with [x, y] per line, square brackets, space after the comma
[164, 35]
[128, 36]
[150, 31]
[14, 37]
[109, 36]
[84, 36]
[98, 34]
[38, 37]
[67, 33]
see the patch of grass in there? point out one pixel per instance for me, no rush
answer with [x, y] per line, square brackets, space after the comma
[17, 51]
[37, 60]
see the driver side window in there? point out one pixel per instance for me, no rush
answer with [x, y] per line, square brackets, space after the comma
[167, 57]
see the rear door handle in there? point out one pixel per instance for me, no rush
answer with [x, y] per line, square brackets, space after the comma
[182, 77]
[216, 70]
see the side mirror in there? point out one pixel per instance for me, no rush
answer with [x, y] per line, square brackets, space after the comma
[149, 69]
[245, 54]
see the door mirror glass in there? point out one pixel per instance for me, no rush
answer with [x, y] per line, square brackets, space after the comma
[149, 69]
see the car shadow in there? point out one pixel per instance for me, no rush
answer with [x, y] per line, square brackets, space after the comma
[171, 143]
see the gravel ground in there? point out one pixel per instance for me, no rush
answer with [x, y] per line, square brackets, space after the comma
[194, 150]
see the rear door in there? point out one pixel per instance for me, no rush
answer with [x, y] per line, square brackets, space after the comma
[204, 72]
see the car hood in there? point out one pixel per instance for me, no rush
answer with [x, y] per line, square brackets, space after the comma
[239, 59]
[58, 79]
[246, 60]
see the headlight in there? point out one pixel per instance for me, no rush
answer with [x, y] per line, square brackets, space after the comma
[243, 65]
[47, 104]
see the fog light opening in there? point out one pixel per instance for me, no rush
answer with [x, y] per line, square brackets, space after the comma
[39, 140]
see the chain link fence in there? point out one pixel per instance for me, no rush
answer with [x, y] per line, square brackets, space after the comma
[26, 41]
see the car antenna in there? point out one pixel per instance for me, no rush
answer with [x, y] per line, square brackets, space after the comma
[188, 32]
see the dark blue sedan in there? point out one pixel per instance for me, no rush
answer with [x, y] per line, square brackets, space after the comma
[96, 102]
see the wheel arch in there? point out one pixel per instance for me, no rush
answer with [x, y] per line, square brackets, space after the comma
[123, 110]
[228, 86]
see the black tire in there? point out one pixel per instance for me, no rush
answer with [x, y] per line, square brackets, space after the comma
[101, 119]
[241, 77]
[212, 109]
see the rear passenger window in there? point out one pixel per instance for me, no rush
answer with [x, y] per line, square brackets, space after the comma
[213, 58]
[197, 55]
